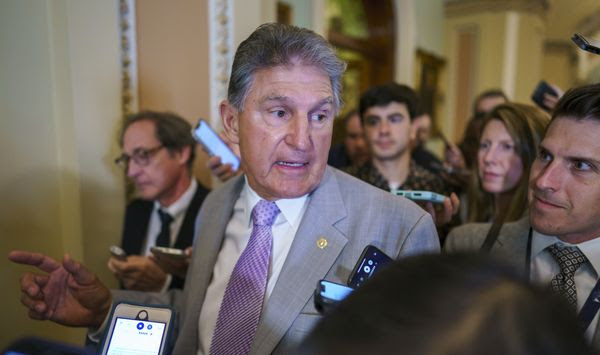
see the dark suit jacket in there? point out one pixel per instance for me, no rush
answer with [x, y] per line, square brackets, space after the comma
[137, 219]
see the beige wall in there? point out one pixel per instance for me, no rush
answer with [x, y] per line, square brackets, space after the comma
[429, 16]
[530, 56]
[509, 56]
[59, 106]
[486, 72]
[173, 57]
[559, 66]
[173, 62]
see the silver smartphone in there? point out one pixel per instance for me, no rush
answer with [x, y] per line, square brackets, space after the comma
[214, 145]
[138, 329]
[117, 252]
[420, 195]
[168, 252]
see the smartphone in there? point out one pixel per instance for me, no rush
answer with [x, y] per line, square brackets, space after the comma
[371, 260]
[420, 195]
[169, 252]
[328, 294]
[138, 329]
[214, 145]
[586, 45]
[117, 252]
[539, 92]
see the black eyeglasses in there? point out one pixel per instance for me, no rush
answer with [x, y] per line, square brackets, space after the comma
[140, 156]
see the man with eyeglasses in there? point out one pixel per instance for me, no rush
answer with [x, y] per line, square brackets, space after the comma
[158, 153]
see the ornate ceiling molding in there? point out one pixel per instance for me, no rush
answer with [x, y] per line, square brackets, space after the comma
[455, 8]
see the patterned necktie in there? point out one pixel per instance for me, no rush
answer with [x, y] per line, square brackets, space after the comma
[164, 237]
[569, 259]
[243, 300]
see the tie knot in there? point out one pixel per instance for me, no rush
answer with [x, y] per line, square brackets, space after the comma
[165, 218]
[568, 258]
[264, 213]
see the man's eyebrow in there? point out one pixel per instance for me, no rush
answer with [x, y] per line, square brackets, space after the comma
[395, 114]
[281, 98]
[278, 98]
[325, 101]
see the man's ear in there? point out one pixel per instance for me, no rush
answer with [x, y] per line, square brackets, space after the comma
[414, 127]
[230, 119]
[184, 154]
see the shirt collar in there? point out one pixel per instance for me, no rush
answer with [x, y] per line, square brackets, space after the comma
[291, 208]
[179, 206]
[590, 248]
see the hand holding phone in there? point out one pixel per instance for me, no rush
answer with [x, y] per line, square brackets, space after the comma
[539, 95]
[168, 252]
[214, 145]
[138, 329]
[420, 195]
[172, 261]
[328, 294]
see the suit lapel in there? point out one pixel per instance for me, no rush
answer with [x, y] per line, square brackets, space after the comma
[135, 229]
[512, 243]
[211, 232]
[185, 237]
[305, 264]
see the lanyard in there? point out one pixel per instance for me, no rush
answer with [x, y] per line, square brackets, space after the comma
[590, 307]
[592, 303]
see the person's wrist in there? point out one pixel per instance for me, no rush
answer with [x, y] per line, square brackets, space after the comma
[102, 313]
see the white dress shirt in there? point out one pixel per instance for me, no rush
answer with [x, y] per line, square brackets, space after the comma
[544, 268]
[237, 234]
[176, 210]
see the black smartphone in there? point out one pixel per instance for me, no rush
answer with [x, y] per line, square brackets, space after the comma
[328, 294]
[585, 44]
[371, 260]
[541, 89]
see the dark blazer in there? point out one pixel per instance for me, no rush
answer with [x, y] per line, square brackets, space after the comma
[137, 219]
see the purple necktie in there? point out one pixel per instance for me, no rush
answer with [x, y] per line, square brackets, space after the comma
[242, 303]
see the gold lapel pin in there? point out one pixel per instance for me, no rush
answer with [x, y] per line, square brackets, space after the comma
[322, 243]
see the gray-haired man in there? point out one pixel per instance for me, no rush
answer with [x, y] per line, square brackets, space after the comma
[283, 95]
